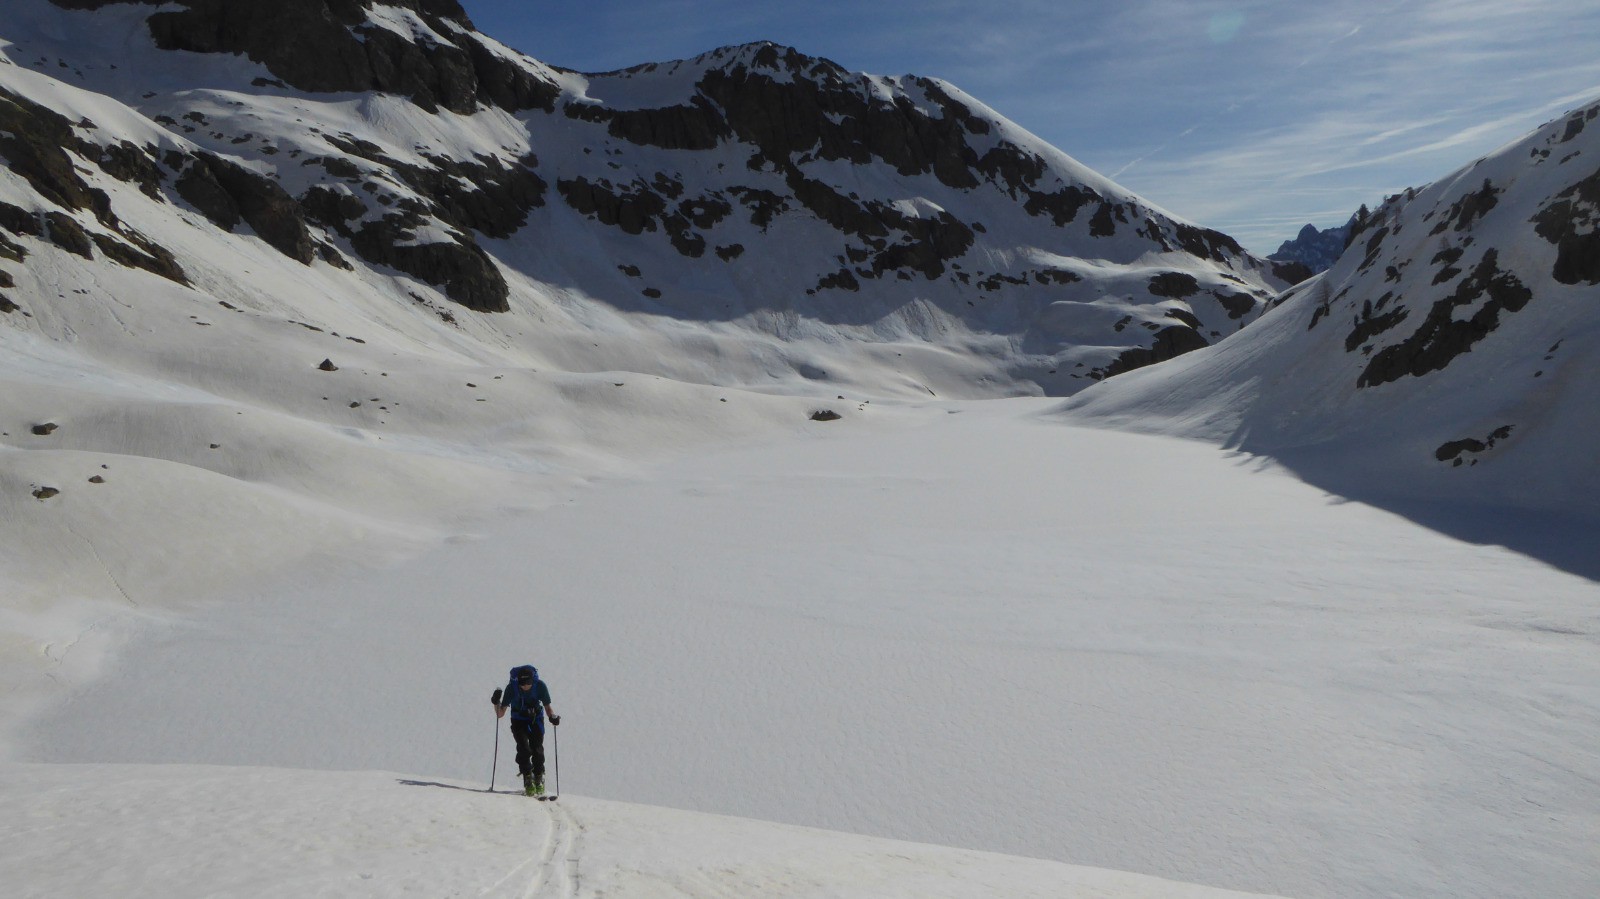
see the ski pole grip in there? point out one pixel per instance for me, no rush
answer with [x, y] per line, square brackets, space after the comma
[496, 697]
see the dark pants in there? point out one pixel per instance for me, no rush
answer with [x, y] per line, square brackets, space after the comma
[530, 747]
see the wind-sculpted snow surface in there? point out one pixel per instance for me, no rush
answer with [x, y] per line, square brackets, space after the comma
[178, 832]
[951, 623]
[1449, 355]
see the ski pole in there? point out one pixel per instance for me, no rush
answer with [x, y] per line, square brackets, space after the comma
[556, 757]
[495, 768]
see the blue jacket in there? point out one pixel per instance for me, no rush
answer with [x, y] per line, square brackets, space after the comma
[526, 705]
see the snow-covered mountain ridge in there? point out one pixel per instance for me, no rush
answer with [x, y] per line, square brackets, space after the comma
[1447, 356]
[753, 185]
[284, 302]
[260, 261]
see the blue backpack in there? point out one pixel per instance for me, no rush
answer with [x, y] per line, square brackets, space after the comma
[524, 705]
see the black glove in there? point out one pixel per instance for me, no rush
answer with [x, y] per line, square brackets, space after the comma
[555, 720]
[496, 697]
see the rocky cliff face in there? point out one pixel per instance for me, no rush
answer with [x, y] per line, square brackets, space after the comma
[335, 45]
[751, 185]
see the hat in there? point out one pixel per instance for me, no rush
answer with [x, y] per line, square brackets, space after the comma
[525, 678]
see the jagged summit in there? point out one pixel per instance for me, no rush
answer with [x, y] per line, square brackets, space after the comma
[1315, 248]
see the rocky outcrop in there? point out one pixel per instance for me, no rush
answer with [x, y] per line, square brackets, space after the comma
[1456, 452]
[227, 193]
[134, 250]
[461, 268]
[787, 104]
[488, 195]
[1176, 285]
[42, 147]
[1442, 337]
[1169, 343]
[35, 142]
[1572, 223]
[458, 266]
[329, 45]
[1471, 207]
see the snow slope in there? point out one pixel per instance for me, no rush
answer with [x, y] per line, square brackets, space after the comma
[181, 831]
[1447, 358]
[268, 458]
[753, 188]
[252, 315]
[955, 624]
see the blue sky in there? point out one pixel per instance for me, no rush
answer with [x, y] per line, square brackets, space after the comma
[1250, 117]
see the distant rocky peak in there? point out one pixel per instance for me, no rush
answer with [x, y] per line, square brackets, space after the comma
[1316, 249]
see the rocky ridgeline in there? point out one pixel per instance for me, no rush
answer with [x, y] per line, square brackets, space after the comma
[1446, 359]
[1433, 277]
[966, 213]
[1467, 292]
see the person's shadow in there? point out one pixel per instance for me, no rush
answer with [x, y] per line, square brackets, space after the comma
[432, 783]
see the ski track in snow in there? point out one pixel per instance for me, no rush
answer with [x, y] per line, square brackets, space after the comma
[555, 875]
[556, 864]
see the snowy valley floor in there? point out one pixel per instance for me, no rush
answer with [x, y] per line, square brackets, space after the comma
[959, 624]
[168, 831]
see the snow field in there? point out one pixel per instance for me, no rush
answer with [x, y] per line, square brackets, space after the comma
[960, 624]
[954, 623]
[172, 832]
